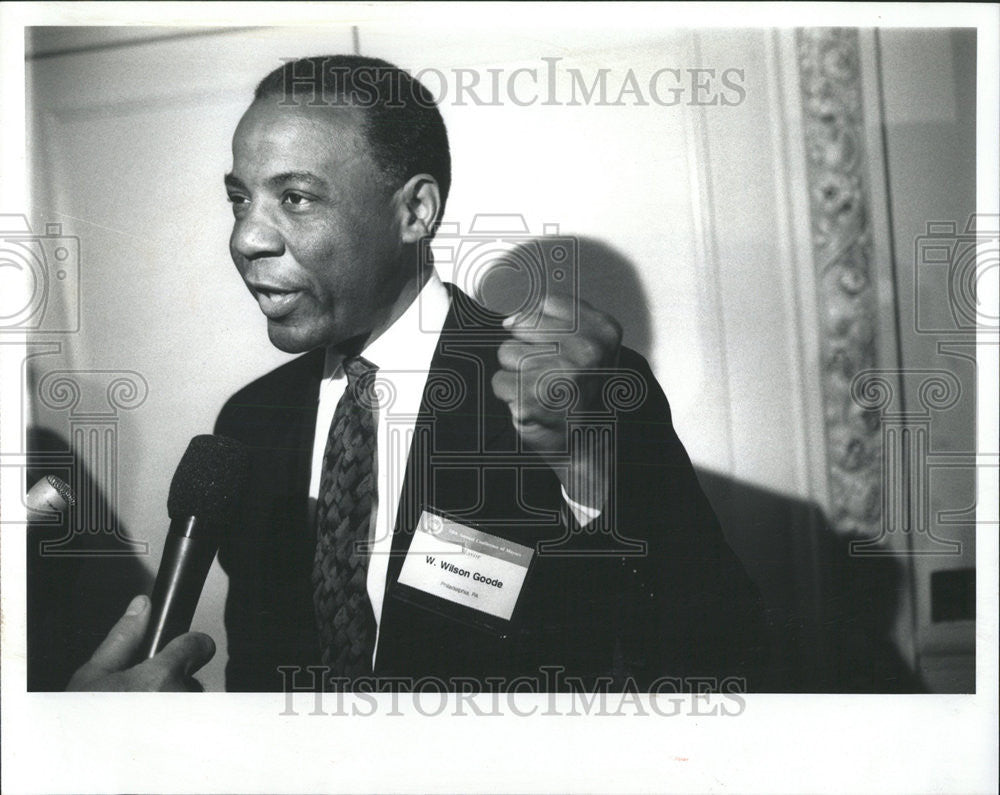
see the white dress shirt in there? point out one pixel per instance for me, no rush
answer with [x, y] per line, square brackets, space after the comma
[403, 355]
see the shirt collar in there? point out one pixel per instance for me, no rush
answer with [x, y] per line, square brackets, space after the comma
[408, 343]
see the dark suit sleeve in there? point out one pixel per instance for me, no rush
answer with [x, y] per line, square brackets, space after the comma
[689, 611]
[267, 554]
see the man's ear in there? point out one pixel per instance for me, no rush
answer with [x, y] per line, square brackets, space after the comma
[419, 205]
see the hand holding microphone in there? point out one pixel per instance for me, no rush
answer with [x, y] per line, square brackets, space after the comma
[170, 670]
[153, 635]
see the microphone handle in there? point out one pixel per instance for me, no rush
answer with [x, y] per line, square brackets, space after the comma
[187, 557]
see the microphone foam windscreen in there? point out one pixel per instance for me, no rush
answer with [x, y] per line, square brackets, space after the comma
[62, 489]
[209, 479]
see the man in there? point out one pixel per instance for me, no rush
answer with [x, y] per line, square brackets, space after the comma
[526, 466]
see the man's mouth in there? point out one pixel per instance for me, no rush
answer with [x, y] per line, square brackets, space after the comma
[275, 302]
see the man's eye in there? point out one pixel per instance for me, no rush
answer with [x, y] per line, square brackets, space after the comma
[237, 199]
[297, 199]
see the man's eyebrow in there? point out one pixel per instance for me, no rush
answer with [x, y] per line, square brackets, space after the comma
[296, 176]
[283, 178]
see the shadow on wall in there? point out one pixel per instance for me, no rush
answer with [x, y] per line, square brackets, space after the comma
[830, 615]
[596, 272]
[80, 576]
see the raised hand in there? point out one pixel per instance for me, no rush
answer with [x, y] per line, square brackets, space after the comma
[542, 349]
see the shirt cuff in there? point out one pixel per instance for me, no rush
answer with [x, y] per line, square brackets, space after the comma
[583, 514]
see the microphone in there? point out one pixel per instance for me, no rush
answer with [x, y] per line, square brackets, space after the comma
[49, 495]
[202, 503]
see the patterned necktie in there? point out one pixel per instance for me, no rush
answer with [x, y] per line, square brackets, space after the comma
[340, 569]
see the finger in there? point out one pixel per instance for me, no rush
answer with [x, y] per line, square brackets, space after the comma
[536, 328]
[560, 317]
[522, 355]
[561, 310]
[586, 351]
[186, 653]
[573, 354]
[555, 315]
[528, 429]
[527, 408]
[505, 385]
[119, 647]
[559, 307]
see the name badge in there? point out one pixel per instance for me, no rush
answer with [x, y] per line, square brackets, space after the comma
[465, 566]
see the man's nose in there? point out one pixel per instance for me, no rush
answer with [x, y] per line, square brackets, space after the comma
[255, 236]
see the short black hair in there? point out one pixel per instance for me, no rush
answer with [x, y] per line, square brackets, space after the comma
[402, 122]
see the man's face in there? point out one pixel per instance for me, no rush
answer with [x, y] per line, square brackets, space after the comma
[315, 235]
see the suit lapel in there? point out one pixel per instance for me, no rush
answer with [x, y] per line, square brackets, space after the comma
[458, 414]
[465, 461]
[292, 443]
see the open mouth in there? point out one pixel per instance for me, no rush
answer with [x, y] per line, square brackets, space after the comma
[275, 303]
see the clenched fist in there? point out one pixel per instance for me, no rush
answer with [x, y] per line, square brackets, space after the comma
[546, 372]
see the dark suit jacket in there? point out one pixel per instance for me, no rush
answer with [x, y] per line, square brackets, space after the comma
[649, 590]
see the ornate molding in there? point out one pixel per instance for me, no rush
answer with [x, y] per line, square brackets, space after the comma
[840, 229]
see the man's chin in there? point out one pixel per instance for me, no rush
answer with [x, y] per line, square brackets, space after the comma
[290, 339]
[293, 338]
